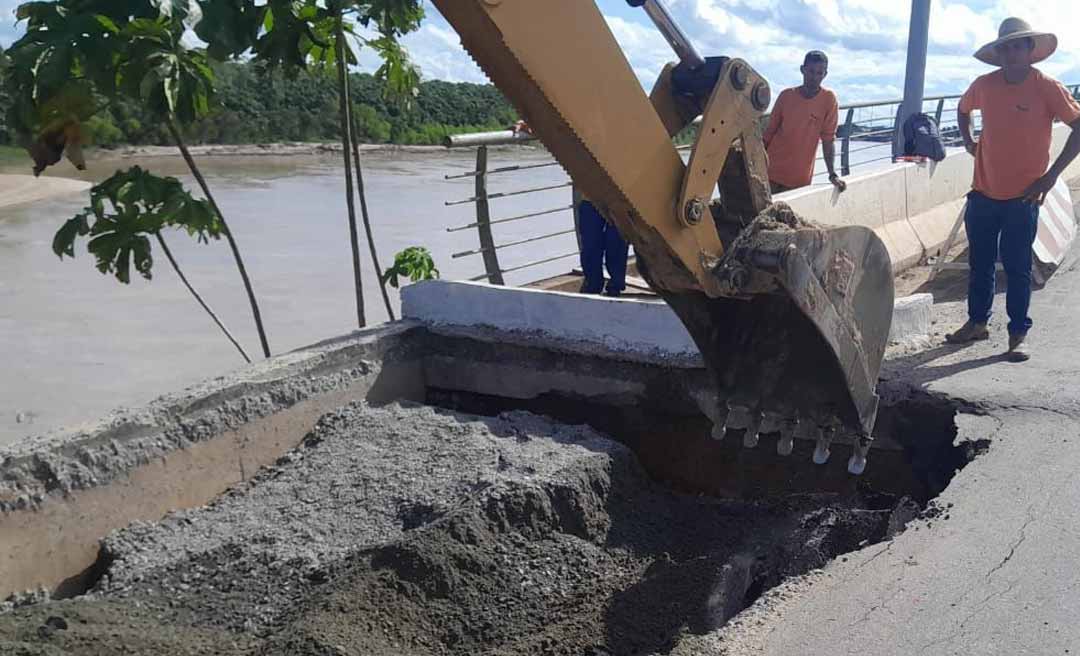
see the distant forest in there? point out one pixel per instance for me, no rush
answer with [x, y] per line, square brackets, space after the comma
[254, 106]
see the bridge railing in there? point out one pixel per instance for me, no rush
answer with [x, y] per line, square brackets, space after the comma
[865, 136]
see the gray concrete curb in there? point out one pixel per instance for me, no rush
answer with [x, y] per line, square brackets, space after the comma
[635, 326]
[552, 318]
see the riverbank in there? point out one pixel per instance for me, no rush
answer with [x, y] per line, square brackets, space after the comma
[19, 189]
[15, 159]
[281, 149]
[10, 155]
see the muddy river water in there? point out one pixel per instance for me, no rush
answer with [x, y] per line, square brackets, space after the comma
[75, 344]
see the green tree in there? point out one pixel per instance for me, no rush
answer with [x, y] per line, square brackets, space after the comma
[315, 35]
[124, 212]
[77, 54]
[254, 104]
[5, 100]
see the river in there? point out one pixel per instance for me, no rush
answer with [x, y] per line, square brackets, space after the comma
[75, 344]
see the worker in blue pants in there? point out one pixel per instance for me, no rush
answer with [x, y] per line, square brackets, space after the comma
[601, 245]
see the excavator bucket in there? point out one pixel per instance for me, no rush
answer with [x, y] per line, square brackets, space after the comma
[796, 347]
[791, 317]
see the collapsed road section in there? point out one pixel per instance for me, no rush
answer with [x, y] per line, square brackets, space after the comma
[403, 491]
[410, 529]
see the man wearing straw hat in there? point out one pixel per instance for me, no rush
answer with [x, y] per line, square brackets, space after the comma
[1019, 105]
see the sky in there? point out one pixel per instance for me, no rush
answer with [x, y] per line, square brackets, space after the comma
[865, 40]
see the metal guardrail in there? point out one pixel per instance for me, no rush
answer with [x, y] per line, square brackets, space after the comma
[864, 132]
[489, 250]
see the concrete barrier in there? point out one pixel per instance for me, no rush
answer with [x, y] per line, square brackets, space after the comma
[636, 329]
[910, 206]
[639, 330]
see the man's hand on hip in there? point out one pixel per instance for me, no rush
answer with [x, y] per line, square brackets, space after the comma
[1036, 193]
[971, 147]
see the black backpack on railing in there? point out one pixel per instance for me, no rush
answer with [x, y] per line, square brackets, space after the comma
[921, 137]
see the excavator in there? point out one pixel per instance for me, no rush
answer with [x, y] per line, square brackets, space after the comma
[791, 317]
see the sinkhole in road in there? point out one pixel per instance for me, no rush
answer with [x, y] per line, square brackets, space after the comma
[625, 536]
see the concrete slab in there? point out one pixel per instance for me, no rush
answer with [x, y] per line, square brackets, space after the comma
[934, 225]
[620, 325]
[930, 184]
[1061, 135]
[872, 199]
[903, 243]
[911, 317]
[639, 329]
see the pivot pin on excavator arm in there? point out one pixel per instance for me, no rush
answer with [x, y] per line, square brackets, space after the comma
[791, 317]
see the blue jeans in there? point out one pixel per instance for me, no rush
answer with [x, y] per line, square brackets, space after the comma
[1008, 226]
[601, 244]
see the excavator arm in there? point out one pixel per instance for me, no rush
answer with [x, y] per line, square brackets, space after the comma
[791, 317]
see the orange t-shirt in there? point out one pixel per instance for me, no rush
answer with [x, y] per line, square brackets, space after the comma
[796, 126]
[1017, 121]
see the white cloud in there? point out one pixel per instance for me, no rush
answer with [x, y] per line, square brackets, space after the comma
[437, 50]
[645, 48]
[8, 32]
[865, 39]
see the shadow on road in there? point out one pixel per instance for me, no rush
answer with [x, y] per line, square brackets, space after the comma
[918, 370]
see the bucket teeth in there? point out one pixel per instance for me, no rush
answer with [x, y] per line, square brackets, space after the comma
[745, 415]
[753, 430]
[806, 428]
[821, 450]
[772, 421]
[860, 447]
[786, 444]
[739, 417]
[715, 409]
[719, 420]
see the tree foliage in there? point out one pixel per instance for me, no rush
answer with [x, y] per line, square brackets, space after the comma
[106, 71]
[251, 104]
[124, 62]
[125, 211]
[78, 55]
[6, 134]
[414, 263]
[80, 59]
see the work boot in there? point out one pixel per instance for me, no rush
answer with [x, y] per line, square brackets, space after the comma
[969, 332]
[1018, 350]
[586, 289]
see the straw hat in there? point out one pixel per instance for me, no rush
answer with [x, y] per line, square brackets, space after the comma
[1016, 28]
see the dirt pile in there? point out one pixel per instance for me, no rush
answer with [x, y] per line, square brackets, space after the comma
[407, 530]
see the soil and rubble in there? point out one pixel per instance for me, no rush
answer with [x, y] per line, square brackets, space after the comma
[411, 530]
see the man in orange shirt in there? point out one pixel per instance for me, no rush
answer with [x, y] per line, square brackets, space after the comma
[802, 117]
[1019, 105]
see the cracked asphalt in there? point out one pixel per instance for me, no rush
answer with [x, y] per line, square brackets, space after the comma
[995, 571]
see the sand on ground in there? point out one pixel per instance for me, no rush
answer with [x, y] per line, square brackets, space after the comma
[19, 189]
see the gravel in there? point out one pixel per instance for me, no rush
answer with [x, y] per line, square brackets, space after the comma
[410, 530]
